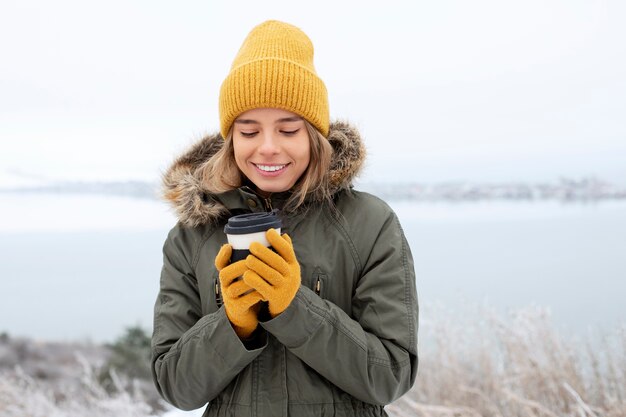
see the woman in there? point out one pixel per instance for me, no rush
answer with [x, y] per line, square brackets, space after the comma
[326, 324]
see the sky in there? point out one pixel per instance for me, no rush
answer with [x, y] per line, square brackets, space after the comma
[485, 90]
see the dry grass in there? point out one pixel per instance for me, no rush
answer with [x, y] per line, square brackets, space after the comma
[484, 364]
[24, 396]
[476, 363]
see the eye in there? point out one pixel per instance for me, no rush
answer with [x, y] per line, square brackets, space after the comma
[289, 132]
[248, 134]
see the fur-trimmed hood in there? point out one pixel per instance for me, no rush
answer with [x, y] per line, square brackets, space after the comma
[182, 182]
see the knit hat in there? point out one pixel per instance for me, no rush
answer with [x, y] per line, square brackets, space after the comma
[274, 68]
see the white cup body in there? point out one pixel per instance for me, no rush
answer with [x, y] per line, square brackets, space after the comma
[241, 242]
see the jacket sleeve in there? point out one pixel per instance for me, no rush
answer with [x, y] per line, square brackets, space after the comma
[373, 354]
[193, 356]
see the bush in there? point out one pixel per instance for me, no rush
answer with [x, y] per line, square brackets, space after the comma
[130, 354]
[130, 358]
[22, 395]
[483, 364]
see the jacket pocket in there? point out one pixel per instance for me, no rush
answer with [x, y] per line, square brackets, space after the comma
[319, 283]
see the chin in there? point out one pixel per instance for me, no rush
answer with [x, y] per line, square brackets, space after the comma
[273, 188]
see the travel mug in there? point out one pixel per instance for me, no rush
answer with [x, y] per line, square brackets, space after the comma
[244, 229]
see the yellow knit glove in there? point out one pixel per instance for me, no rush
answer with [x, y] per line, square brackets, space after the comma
[276, 276]
[240, 301]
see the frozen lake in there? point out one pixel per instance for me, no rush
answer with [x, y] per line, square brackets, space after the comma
[84, 267]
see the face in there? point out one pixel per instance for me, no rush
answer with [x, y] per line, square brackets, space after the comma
[271, 148]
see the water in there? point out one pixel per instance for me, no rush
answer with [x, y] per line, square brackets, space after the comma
[78, 285]
[85, 267]
[568, 257]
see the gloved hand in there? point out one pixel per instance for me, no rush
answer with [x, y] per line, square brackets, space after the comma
[276, 276]
[240, 301]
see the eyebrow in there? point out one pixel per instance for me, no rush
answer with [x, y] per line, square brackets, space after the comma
[282, 120]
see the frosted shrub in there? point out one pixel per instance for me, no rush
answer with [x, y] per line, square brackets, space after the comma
[472, 363]
[23, 396]
[484, 364]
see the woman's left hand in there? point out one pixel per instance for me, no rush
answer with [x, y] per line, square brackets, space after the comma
[275, 275]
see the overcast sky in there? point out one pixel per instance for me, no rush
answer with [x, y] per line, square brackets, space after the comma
[441, 90]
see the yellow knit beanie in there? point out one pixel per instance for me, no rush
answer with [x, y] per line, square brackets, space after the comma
[274, 68]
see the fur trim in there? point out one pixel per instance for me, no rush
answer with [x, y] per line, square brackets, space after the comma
[182, 184]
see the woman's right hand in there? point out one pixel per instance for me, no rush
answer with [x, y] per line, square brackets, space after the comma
[240, 300]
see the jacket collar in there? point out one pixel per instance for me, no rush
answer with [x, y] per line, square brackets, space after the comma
[182, 185]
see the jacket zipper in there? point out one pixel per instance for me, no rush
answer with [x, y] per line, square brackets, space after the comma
[218, 299]
[268, 204]
[318, 286]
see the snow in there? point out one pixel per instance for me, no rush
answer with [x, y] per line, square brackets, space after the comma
[48, 211]
[490, 211]
[180, 413]
[13, 178]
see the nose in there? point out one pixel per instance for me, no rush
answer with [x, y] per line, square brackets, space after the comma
[269, 145]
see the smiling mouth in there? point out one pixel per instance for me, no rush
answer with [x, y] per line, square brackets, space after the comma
[270, 168]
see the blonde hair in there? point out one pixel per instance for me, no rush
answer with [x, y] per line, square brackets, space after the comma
[220, 173]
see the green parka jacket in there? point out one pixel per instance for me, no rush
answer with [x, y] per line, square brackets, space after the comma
[347, 344]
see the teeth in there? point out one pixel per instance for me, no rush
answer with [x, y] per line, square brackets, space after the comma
[271, 168]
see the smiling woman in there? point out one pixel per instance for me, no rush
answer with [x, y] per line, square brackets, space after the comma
[271, 148]
[326, 322]
[287, 135]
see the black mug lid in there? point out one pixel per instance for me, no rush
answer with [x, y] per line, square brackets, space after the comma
[252, 223]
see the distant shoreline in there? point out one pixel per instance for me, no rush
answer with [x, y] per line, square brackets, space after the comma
[565, 189]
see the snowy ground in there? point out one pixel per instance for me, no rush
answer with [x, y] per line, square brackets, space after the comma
[180, 413]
